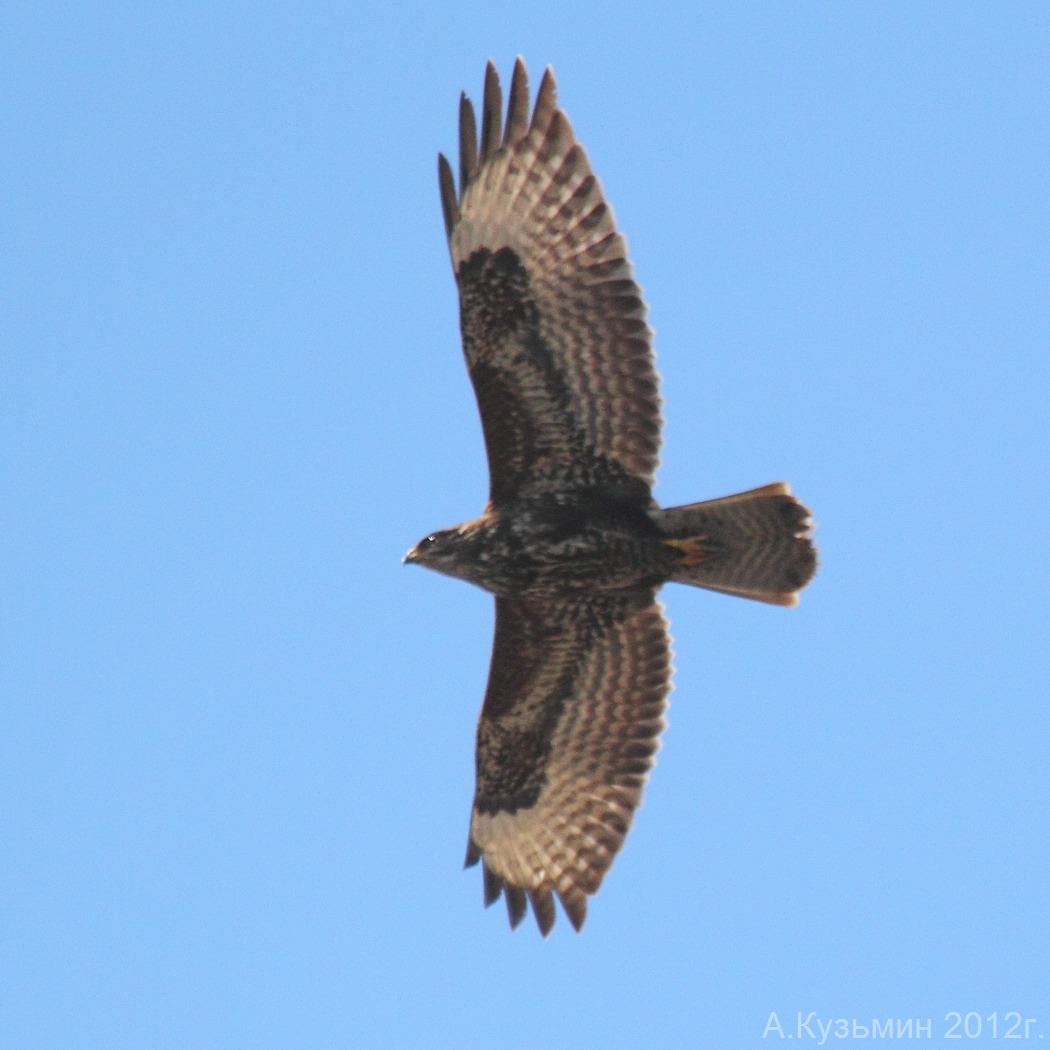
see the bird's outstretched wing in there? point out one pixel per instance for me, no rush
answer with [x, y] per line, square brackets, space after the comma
[553, 323]
[568, 732]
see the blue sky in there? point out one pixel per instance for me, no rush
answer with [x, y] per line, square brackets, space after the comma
[237, 734]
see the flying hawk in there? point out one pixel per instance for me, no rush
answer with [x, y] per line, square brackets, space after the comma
[571, 542]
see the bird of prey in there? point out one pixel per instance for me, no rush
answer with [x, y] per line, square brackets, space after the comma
[571, 542]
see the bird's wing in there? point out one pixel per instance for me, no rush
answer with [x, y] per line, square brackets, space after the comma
[568, 733]
[553, 323]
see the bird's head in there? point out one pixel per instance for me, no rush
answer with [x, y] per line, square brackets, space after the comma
[439, 550]
[461, 551]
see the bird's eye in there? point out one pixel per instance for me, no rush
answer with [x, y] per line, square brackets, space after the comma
[428, 541]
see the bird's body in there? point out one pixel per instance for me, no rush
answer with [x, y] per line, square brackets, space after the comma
[571, 542]
[553, 544]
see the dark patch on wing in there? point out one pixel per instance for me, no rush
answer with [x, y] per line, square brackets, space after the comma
[532, 435]
[511, 440]
[512, 773]
[537, 655]
[523, 401]
[522, 706]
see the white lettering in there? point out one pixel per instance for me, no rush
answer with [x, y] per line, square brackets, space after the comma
[804, 1025]
[929, 1028]
[878, 1032]
[773, 1024]
[860, 1031]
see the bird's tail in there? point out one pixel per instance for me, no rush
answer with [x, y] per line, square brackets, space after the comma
[754, 544]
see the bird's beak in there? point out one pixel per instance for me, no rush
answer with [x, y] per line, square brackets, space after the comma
[411, 557]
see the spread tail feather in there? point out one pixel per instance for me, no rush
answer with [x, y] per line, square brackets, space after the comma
[754, 544]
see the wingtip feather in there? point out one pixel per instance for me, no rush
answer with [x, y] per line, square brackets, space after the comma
[543, 909]
[491, 113]
[447, 189]
[468, 143]
[516, 906]
[493, 886]
[546, 101]
[518, 105]
[575, 905]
